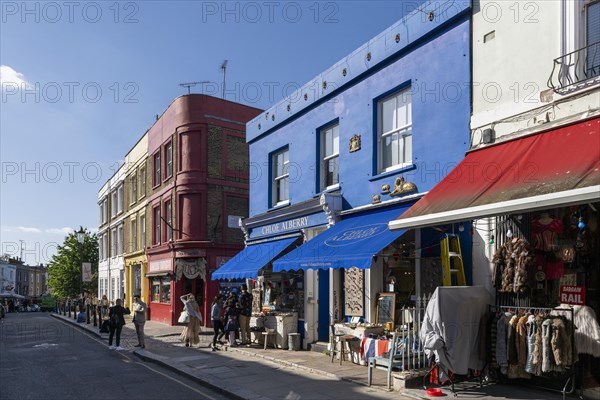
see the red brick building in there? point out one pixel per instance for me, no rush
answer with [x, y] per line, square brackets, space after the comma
[198, 171]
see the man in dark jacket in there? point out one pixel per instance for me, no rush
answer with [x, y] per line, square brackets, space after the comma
[245, 314]
[117, 320]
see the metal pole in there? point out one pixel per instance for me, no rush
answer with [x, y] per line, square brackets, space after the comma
[87, 313]
[95, 321]
[69, 308]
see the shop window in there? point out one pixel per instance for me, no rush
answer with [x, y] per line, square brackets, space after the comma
[280, 177]
[395, 130]
[330, 151]
[161, 290]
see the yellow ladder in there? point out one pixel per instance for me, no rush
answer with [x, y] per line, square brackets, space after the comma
[452, 262]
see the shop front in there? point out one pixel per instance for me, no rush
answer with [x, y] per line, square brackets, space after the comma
[366, 267]
[286, 301]
[136, 268]
[534, 203]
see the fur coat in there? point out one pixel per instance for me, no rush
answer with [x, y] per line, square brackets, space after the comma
[512, 263]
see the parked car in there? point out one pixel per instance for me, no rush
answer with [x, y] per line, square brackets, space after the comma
[33, 307]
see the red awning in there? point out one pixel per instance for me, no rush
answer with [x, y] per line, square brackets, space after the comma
[558, 167]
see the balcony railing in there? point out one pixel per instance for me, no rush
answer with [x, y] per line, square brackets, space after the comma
[576, 70]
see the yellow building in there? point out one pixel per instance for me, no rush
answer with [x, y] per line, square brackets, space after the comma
[136, 190]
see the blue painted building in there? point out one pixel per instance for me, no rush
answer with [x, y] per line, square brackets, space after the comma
[349, 151]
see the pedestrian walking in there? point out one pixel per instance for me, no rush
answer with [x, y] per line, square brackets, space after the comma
[139, 320]
[103, 312]
[117, 320]
[191, 333]
[216, 312]
[245, 314]
[232, 324]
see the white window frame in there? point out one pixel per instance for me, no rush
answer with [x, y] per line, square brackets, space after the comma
[100, 248]
[326, 158]
[402, 132]
[120, 239]
[134, 188]
[134, 237]
[282, 178]
[121, 198]
[113, 203]
[169, 219]
[157, 172]
[143, 229]
[143, 177]
[156, 225]
[169, 160]
[113, 242]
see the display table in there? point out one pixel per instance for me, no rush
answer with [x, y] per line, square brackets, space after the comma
[358, 331]
[283, 324]
[372, 348]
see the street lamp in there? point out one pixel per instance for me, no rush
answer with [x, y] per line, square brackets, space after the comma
[80, 239]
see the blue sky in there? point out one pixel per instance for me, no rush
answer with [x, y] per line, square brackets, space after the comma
[82, 81]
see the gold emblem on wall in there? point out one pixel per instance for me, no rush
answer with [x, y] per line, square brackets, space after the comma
[385, 189]
[376, 199]
[402, 187]
[354, 143]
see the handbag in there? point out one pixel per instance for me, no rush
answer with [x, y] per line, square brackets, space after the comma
[184, 318]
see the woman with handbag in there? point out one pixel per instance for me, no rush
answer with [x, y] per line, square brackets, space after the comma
[232, 325]
[191, 333]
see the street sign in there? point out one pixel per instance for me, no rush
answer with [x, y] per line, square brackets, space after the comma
[86, 272]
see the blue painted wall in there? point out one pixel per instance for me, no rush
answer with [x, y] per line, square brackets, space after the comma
[436, 66]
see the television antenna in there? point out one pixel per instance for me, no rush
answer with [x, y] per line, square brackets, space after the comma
[224, 69]
[189, 85]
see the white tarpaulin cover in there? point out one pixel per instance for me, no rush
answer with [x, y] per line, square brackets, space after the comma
[449, 331]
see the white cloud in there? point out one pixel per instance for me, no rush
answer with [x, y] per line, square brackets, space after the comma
[60, 231]
[28, 229]
[12, 80]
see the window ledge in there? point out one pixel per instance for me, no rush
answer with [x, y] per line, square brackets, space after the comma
[280, 205]
[328, 189]
[387, 174]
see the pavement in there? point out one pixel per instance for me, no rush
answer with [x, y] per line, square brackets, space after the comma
[258, 374]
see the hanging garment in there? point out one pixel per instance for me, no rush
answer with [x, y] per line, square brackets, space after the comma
[522, 340]
[531, 330]
[561, 343]
[546, 244]
[513, 262]
[546, 347]
[501, 340]
[536, 358]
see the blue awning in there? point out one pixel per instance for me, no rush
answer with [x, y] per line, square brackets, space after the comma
[247, 262]
[351, 242]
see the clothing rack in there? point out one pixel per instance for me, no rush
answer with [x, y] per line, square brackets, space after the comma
[569, 386]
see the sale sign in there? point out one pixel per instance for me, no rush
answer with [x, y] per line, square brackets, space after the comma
[572, 295]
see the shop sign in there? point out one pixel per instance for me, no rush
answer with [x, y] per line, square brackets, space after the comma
[159, 265]
[354, 235]
[572, 295]
[190, 253]
[288, 226]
